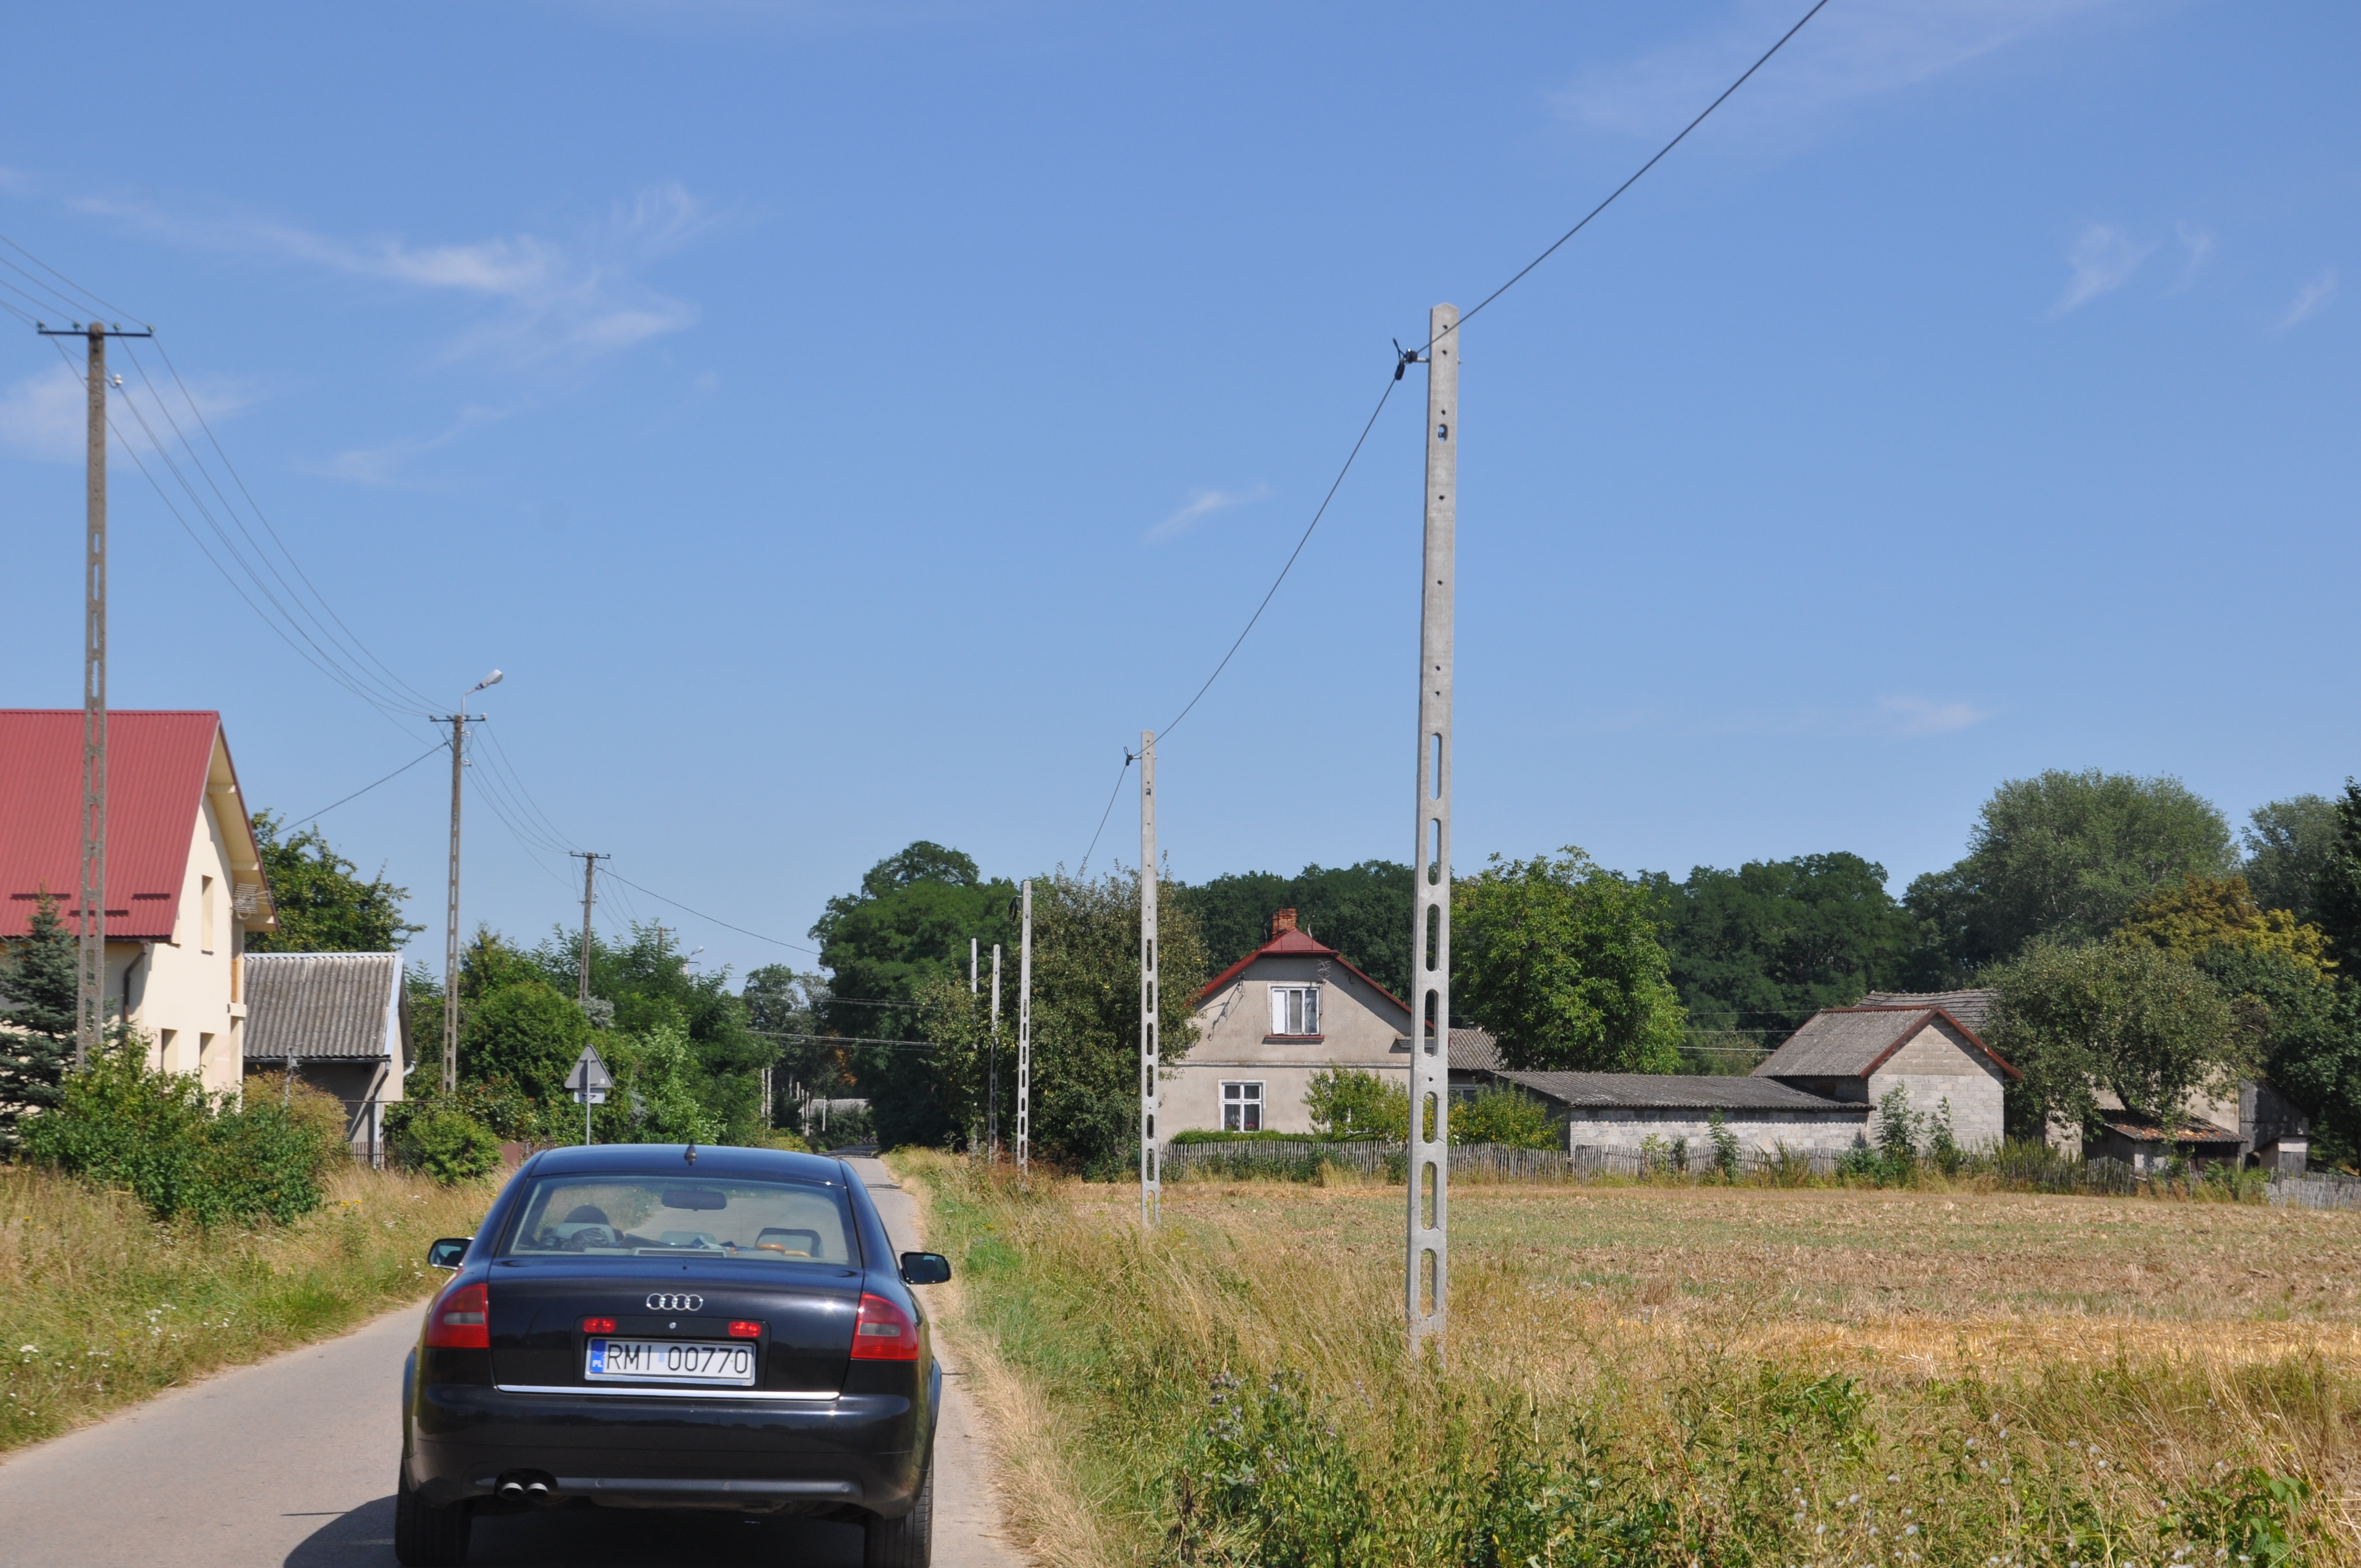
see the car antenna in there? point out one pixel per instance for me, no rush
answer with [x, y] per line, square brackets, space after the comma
[691, 1156]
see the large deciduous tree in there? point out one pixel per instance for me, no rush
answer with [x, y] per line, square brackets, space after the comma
[2337, 889]
[2064, 856]
[323, 904]
[1560, 959]
[2126, 1016]
[528, 1034]
[1761, 949]
[2287, 845]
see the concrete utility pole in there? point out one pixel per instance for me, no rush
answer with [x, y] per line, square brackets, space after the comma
[590, 867]
[1427, 1274]
[970, 966]
[1025, 1037]
[458, 722]
[992, 1094]
[90, 953]
[1152, 1184]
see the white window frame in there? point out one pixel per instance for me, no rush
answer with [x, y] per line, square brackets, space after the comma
[1305, 1009]
[1242, 1102]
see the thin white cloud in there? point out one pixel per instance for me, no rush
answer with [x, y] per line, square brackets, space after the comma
[1910, 717]
[46, 416]
[2197, 247]
[1856, 49]
[2101, 260]
[383, 465]
[2311, 298]
[558, 300]
[1202, 505]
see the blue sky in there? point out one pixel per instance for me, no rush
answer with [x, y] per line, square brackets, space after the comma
[850, 424]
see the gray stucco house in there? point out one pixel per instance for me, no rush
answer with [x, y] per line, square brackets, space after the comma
[1860, 1055]
[340, 1022]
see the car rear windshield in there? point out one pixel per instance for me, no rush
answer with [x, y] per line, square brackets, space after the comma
[671, 1216]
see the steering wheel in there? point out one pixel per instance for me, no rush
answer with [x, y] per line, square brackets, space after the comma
[589, 1236]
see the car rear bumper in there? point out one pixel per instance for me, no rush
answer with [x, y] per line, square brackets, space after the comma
[864, 1451]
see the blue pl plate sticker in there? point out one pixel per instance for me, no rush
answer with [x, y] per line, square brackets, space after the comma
[598, 1357]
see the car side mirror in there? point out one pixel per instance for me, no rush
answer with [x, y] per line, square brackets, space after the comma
[447, 1252]
[925, 1268]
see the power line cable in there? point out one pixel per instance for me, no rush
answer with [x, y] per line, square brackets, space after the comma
[93, 297]
[315, 817]
[1121, 774]
[724, 925]
[1468, 315]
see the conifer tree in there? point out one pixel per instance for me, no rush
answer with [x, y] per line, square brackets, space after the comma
[38, 992]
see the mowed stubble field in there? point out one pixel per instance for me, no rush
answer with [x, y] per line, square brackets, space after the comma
[1734, 1372]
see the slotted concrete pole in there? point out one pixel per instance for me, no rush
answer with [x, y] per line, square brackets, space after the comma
[1427, 1273]
[1024, 1038]
[1152, 1186]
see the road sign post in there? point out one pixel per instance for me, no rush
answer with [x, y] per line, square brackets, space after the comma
[590, 1081]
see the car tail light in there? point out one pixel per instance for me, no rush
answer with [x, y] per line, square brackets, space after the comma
[745, 1327]
[883, 1332]
[598, 1325]
[460, 1319]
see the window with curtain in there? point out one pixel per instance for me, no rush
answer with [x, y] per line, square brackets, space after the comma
[1294, 1009]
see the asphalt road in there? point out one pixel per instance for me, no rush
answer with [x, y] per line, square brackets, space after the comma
[292, 1462]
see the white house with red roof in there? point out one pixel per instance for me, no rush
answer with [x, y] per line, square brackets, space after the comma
[184, 881]
[1271, 1021]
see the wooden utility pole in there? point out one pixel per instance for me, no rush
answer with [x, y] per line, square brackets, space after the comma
[1427, 1274]
[1025, 1034]
[590, 868]
[90, 953]
[458, 722]
[1151, 1185]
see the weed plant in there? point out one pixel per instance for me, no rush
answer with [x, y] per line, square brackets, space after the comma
[1233, 1388]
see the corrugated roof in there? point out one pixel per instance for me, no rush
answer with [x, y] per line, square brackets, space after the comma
[156, 768]
[1969, 1007]
[1475, 1050]
[321, 1005]
[1853, 1042]
[2147, 1130]
[1676, 1092]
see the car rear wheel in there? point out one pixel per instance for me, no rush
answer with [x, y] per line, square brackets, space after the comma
[426, 1536]
[909, 1541]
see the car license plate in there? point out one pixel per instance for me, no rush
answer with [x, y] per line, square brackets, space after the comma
[670, 1361]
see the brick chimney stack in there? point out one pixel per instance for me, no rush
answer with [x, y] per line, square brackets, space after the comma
[1282, 921]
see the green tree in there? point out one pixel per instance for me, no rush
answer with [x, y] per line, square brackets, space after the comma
[323, 904]
[527, 1034]
[1759, 949]
[39, 993]
[781, 1001]
[2302, 1030]
[1086, 1015]
[2287, 845]
[1362, 911]
[1345, 1103]
[648, 983]
[2206, 913]
[2127, 1016]
[2337, 889]
[1503, 1115]
[909, 923]
[2063, 855]
[1562, 960]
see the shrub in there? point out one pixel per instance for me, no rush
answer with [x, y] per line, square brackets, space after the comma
[446, 1143]
[182, 1151]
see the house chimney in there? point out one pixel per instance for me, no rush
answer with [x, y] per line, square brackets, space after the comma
[1282, 921]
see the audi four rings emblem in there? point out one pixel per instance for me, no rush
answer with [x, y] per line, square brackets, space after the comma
[661, 1303]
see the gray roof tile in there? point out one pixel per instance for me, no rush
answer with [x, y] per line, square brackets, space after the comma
[1674, 1091]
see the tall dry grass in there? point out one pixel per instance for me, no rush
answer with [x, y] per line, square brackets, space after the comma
[102, 1306]
[1234, 1388]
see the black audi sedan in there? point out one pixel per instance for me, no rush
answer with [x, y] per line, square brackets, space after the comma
[660, 1326]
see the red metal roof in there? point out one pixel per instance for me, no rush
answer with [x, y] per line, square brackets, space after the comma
[156, 768]
[1292, 943]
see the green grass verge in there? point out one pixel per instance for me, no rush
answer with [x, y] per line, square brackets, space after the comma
[104, 1306]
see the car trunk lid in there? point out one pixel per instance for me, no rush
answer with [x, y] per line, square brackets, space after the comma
[806, 1313]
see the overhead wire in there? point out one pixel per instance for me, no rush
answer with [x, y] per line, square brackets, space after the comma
[724, 925]
[315, 817]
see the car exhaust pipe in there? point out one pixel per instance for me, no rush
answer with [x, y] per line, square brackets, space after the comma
[513, 1490]
[538, 1491]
